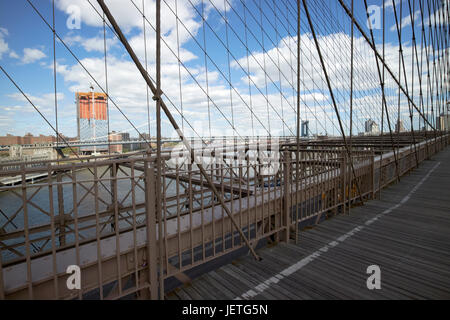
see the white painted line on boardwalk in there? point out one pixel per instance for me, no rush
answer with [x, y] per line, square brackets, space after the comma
[263, 286]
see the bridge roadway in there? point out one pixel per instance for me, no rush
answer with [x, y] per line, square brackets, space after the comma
[77, 144]
[406, 233]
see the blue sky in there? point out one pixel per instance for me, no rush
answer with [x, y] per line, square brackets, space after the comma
[251, 106]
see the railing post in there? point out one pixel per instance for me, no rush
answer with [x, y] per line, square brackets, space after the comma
[61, 218]
[113, 174]
[343, 172]
[150, 208]
[287, 174]
[372, 167]
[2, 292]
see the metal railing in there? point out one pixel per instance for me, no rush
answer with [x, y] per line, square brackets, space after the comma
[101, 215]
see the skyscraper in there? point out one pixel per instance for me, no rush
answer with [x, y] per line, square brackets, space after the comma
[92, 120]
[399, 127]
[443, 122]
[371, 127]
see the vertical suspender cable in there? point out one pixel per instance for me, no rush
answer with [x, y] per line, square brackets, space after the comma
[146, 69]
[54, 74]
[399, 33]
[351, 98]
[248, 71]
[264, 63]
[179, 65]
[382, 103]
[297, 153]
[157, 97]
[106, 82]
[278, 66]
[206, 68]
[290, 55]
[228, 63]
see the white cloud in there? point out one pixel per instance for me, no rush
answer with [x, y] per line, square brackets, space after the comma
[31, 55]
[126, 14]
[13, 54]
[4, 48]
[388, 3]
[406, 21]
[91, 44]
[44, 102]
[5, 122]
[16, 108]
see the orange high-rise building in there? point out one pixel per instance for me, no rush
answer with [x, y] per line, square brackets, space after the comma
[92, 119]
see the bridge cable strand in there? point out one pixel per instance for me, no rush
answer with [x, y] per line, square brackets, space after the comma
[278, 64]
[144, 30]
[229, 65]
[54, 72]
[106, 83]
[179, 67]
[248, 72]
[264, 63]
[383, 99]
[206, 68]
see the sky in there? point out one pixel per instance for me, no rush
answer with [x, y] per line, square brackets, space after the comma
[248, 71]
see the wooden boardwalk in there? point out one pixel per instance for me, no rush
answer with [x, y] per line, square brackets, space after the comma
[406, 233]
